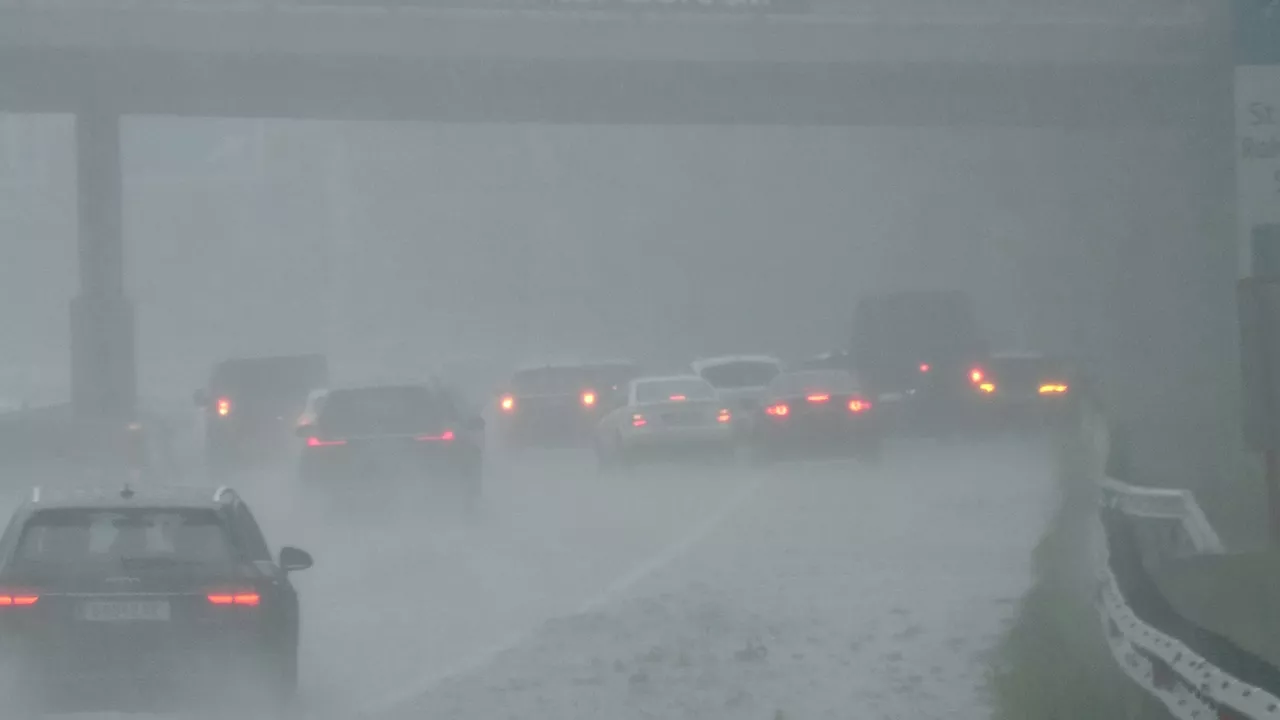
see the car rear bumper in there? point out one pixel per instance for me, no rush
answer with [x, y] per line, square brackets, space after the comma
[68, 675]
[558, 427]
[336, 465]
[710, 437]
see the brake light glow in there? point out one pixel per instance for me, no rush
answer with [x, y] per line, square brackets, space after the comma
[1053, 388]
[588, 398]
[223, 406]
[987, 387]
[247, 598]
[446, 436]
[723, 416]
[924, 367]
[637, 420]
[976, 375]
[820, 398]
[779, 410]
[678, 398]
[317, 442]
[507, 403]
[858, 405]
[23, 599]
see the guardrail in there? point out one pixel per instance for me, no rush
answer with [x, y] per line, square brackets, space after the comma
[1195, 673]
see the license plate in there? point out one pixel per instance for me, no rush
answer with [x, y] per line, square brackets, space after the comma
[681, 419]
[125, 610]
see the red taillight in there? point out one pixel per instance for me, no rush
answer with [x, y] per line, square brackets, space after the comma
[637, 420]
[588, 398]
[858, 405]
[247, 598]
[779, 410]
[223, 406]
[317, 442]
[723, 416]
[507, 403]
[20, 599]
[819, 398]
[678, 398]
[924, 367]
[976, 375]
[445, 436]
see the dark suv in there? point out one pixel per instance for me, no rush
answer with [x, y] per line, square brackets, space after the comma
[145, 601]
[419, 433]
[251, 406]
[920, 354]
[559, 404]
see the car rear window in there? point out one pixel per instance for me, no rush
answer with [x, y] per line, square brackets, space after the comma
[1027, 370]
[826, 380]
[80, 536]
[385, 410]
[740, 374]
[663, 390]
[271, 380]
[569, 380]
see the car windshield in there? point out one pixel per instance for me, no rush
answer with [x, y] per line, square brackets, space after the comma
[740, 374]
[828, 380]
[82, 536]
[384, 410]
[675, 389]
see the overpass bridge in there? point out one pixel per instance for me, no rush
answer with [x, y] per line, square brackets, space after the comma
[764, 62]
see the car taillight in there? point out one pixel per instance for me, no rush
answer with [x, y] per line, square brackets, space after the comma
[924, 367]
[987, 387]
[445, 436]
[246, 598]
[1053, 388]
[779, 410]
[976, 375]
[820, 398]
[21, 599]
[678, 398]
[723, 416]
[223, 406]
[507, 403]
[637, 420]
[858, 405]
[317, 442]
[588, 398]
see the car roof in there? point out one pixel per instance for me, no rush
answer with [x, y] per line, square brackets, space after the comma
[687, 377]
[702, 363]
[194, 497]
[1019, 355]
[570, 363]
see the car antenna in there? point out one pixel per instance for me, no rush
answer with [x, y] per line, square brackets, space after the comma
[127, 492]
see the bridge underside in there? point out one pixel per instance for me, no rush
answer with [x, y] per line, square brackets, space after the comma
[98, 87]
[609, 92]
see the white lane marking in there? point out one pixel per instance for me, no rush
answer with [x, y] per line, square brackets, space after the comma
[622, 584]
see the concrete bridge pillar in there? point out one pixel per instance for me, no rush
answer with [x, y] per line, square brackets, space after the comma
[103, 374]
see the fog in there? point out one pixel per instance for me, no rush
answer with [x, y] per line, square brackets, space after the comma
[580, 586]
[396, 247]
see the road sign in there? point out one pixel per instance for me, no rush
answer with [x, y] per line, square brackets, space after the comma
[1257, 97]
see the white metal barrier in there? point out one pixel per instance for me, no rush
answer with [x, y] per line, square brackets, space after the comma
[1191, 687]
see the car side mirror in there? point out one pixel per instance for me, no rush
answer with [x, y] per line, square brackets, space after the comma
[292, 559]
[200, 398]
[305, 431]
